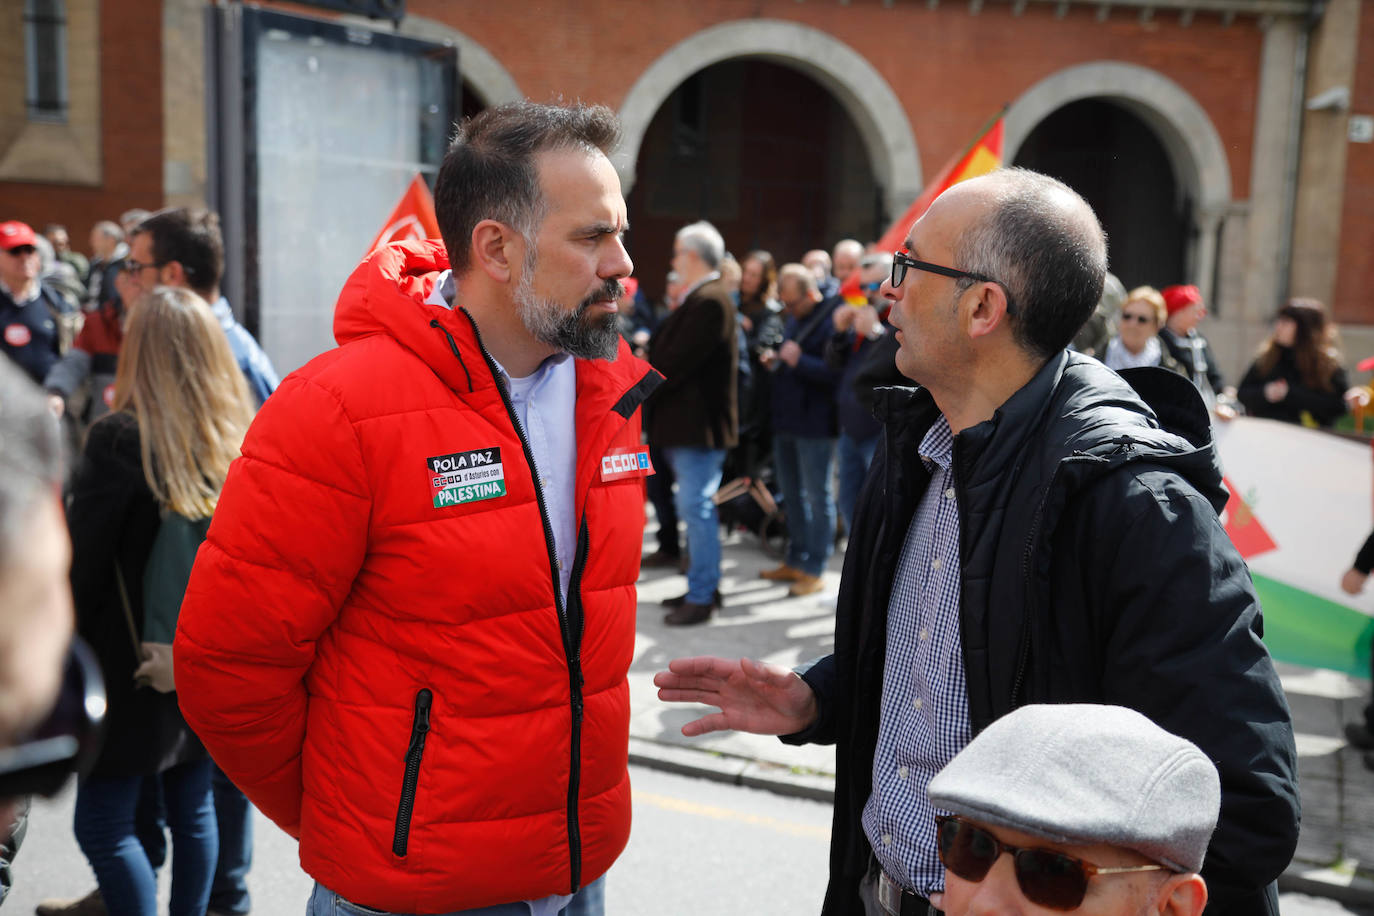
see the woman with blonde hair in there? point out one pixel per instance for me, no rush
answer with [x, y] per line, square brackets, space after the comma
[1297, 376]
[181, 408]
[1136, 342]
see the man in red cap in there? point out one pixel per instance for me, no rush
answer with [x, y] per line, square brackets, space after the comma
[1179, 335]
[30, 312]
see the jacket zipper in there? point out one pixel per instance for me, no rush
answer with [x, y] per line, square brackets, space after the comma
[576, 625]
[571, 649]
[414, 754]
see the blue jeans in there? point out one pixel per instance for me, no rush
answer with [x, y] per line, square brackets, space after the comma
[589, 901]
[229, 889]
[698, 478]
[855, 455]
[803, 467]
[104, 826]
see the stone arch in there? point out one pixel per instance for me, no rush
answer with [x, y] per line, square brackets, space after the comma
[1181, 124]
[477, 66]
[846, 74]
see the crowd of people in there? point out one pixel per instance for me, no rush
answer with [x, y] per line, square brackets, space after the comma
[155, 383]
[420, 672]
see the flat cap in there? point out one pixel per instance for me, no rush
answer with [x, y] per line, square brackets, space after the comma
[1087, 774]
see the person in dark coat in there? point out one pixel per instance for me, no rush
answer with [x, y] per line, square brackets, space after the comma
[1297, 376]
[804, 429]
[175, 357]
[34, 317]
[862, 345]
[997, 561]
[694, 415]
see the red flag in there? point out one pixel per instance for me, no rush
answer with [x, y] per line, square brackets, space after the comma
[413, 217]
[1245, 530]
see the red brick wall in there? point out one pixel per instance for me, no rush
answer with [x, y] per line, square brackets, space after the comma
[1354, 301]
[131, 131]
[950, 69]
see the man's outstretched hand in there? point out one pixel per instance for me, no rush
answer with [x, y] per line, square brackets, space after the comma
[752, 696]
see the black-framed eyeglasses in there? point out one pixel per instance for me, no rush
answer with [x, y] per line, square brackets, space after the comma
[135, 267]
[902, 262]
[1047, 877]
[1142, 319]
[66, 742]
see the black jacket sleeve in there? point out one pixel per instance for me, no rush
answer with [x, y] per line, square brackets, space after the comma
[1364, 560]
[1180, 636]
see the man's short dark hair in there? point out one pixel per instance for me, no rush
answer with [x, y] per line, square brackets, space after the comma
[489, 171]
[191, 237]
[1048, 251]
[30, 454]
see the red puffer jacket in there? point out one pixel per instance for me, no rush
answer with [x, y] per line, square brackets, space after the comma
[370, 644]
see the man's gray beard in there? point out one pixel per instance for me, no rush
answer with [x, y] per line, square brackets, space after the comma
[597, 337]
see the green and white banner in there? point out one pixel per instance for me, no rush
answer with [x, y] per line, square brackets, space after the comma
[1300, 509]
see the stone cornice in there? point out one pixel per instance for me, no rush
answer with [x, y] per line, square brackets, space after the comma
[1146, 9]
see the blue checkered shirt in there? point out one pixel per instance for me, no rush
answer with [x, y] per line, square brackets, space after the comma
[924, 720]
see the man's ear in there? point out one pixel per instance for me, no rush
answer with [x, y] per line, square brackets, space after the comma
[1182, 895]
[497, 250]
[989, 310]
[176, 274]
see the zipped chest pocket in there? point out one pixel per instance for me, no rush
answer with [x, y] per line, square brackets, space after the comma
[415, 753]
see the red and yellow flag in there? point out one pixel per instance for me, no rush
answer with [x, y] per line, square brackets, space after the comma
[413, 217]
[980, 157]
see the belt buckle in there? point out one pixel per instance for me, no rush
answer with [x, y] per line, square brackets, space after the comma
[892, 896]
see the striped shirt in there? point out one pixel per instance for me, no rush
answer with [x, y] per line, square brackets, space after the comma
[924, 719]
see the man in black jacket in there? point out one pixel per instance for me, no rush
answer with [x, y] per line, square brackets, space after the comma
[1036, 529]
[694, 415]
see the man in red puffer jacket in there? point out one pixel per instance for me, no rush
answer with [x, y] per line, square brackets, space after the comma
[407, 635]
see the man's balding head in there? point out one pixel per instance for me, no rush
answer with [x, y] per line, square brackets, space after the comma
[1042, 242]
[845, 257]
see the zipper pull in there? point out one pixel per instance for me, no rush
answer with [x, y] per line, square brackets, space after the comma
[422, 701]
[421, 726]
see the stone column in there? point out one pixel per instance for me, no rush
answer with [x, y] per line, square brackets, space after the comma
[1321, 170]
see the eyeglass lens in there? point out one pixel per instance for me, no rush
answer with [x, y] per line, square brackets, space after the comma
[1142, 319]
[1047, 878]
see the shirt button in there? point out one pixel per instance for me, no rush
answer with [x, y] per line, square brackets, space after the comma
[560, 562]
[949, 493]
[887, 839]
[924, 634]
[902, 772]
[543, 481]
[935, 564]
[917, 703]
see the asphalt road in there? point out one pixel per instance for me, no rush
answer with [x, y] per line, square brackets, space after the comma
[697, 847]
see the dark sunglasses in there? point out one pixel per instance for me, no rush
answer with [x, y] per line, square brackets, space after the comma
[66, 742]
[1046, 877]
[1142, 319]
[20, 251]
[902, 262]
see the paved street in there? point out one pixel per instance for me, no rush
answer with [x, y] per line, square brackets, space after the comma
[722, 846]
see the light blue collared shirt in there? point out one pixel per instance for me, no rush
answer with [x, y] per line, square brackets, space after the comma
[545, 404]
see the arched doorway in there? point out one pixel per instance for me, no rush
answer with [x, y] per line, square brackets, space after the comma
[1117, 162]
[764, 152]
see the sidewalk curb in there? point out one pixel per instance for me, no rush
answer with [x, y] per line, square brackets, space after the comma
[719, 766]
[1340, 882]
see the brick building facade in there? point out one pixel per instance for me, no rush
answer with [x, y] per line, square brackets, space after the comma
[829, 115]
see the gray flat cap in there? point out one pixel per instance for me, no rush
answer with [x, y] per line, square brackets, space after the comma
[1087, 774]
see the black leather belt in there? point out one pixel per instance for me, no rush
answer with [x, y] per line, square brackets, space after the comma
[896, 900]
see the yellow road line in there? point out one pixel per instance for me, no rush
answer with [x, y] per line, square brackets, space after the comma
[682, 806]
